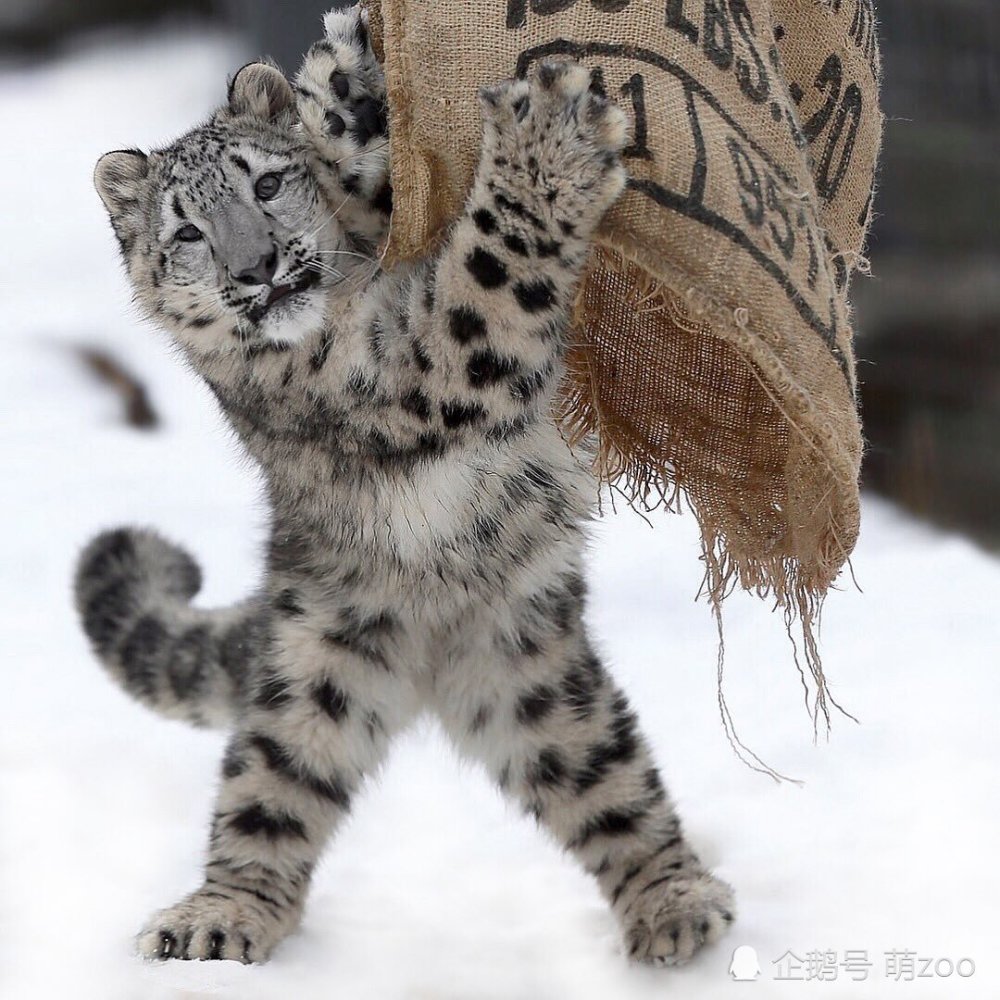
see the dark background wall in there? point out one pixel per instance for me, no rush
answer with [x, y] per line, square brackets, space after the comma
[282, 30]
[39, 26]
[929, 319]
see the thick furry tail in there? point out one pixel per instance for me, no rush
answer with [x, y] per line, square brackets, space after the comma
[132, 591]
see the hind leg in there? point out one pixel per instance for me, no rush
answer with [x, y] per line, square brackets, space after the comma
[320, 719]
[538, 708]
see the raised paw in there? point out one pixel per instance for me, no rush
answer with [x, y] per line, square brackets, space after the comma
[669, 919]
[555, 140]
[211, 925]
[341, 103]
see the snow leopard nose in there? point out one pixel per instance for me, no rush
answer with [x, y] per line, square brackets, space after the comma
[262, 273]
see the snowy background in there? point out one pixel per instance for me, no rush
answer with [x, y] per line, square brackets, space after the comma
[436, 889]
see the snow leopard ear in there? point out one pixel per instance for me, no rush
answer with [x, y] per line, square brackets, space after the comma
[260, 90]
[119, 177]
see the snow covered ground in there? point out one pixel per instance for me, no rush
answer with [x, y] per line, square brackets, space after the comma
[436, 889]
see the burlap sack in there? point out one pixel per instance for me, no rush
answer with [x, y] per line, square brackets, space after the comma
[713, 350]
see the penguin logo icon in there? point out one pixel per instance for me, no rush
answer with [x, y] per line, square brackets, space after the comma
[745, 967]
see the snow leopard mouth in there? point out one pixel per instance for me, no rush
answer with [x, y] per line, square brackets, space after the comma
[279, 293]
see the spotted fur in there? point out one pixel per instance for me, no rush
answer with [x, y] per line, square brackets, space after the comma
[428, 521]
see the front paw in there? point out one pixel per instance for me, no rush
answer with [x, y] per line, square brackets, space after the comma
[673, 915]
[342, 104]
[555, 141]
[211, 925]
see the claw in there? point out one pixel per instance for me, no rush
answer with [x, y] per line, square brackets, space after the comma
[216, 944]
[489, 96]
[167, 944]
[548, 73]
[339, 84]
[361, 30]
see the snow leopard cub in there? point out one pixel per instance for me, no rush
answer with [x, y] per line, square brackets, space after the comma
[428, 520]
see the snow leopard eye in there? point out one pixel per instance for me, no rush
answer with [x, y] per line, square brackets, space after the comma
[267, 186]
[188, 233]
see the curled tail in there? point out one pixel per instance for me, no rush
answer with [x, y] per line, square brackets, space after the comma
[133, 590]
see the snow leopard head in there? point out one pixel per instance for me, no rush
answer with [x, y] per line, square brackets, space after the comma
[226, 234]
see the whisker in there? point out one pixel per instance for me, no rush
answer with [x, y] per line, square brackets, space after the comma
[336, 211]
[346, 253]
[361, 152]
[376, 263]
[327, 269]
[329, 217]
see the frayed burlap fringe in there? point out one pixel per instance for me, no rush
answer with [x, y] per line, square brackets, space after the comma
[657, 478]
